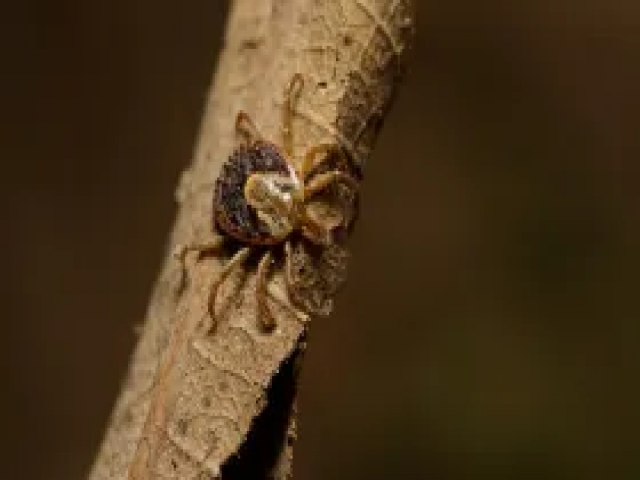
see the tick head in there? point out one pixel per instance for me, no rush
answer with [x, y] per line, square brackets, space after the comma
[277, 200]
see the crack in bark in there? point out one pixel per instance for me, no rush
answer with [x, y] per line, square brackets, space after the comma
[270, 433]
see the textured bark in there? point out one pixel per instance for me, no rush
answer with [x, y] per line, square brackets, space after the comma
[198, 406]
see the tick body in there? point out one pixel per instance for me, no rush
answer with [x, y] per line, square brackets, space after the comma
[232, 213]
[261, 198]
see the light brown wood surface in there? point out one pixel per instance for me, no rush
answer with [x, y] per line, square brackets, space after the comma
[193, 402]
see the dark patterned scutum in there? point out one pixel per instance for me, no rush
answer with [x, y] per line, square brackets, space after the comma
[232, 214]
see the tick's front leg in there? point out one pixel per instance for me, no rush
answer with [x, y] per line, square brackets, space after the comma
[246, 127]
[322, 181]
[315, 157]
[292, 94]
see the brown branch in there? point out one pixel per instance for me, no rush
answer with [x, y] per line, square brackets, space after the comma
[198, 406]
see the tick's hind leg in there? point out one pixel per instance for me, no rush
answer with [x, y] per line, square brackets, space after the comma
[235, 261]
[263, 312]
[181, 252]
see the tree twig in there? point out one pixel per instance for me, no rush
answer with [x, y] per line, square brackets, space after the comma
[221, 406]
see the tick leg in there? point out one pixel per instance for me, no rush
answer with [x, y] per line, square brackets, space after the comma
[264, 313]
[246, 127]
[288, 276]
[235, 261]
[181, 252]
[288, 266]
[291, 95]
[321, 181]
[287, 263]
[314, 231]
[311, 161]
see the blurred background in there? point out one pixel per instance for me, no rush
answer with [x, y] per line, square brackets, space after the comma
[491, 322]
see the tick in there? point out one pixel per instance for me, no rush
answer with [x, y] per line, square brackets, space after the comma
[261, 202]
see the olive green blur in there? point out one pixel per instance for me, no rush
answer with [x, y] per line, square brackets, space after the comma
[490, 325]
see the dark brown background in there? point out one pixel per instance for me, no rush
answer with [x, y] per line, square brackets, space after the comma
[490, 326]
